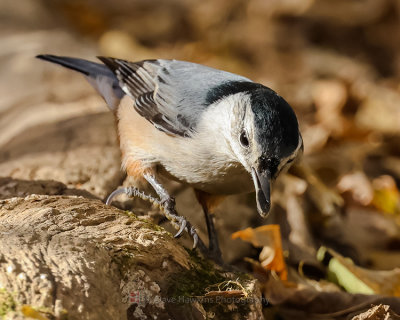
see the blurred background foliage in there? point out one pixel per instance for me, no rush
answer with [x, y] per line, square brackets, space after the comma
[336, 62]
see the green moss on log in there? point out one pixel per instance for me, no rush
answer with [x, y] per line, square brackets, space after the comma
[7, 302]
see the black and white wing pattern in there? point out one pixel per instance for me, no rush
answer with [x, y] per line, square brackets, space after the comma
[171, 94]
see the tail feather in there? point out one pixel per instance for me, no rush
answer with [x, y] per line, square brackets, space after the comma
[98, 75]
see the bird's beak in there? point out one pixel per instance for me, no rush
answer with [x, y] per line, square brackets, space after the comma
[262, 183]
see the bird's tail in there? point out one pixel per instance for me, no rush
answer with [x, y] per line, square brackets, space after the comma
[98, 75]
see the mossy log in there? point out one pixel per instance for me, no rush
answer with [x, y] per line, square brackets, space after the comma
[76, 258]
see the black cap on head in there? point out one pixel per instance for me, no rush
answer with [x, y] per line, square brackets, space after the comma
[276, 127]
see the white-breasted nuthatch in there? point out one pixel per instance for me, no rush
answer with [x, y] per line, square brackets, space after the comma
[216, 131]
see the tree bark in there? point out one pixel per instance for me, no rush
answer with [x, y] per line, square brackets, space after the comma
[76, 258]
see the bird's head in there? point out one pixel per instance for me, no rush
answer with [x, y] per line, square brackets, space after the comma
[265, 137]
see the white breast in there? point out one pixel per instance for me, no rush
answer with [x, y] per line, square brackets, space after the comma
[205, 161]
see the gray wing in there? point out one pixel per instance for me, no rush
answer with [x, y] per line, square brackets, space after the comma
[171, 94]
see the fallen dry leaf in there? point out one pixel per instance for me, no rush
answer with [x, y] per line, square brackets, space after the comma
[268, 237]
[386, 195]
[305, 301]
[379, 312]
[30, 312]
[358, 185]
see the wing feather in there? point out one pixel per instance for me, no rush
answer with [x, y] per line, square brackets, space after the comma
[170, 94]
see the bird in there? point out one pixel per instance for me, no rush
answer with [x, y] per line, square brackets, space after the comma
[215, 131]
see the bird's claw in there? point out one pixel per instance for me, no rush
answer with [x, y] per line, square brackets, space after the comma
[185, 225]
[195, 237]
[114, 194]
[182, 227]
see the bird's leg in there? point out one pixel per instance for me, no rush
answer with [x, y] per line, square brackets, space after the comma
[213, 243]
[214, 249]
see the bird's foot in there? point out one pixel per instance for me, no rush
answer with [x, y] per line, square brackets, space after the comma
[213, 252]
[179, 222]
[167, 206]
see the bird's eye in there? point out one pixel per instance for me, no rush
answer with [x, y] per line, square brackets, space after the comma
[244, 141]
